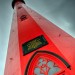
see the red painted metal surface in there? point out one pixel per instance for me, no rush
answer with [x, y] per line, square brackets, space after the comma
[59, 51]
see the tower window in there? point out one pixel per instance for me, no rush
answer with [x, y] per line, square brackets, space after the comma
[23, 17]
[19, 7]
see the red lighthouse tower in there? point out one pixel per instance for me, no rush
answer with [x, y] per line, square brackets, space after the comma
[37, 46]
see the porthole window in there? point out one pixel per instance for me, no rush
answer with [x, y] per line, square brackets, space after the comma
[23, 17]
[19, 7]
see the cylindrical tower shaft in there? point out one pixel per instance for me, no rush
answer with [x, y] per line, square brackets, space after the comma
[37, 46]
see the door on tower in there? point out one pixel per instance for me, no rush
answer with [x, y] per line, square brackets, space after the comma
[47, 63]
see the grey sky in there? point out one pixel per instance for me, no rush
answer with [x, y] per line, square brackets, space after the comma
[60, 12]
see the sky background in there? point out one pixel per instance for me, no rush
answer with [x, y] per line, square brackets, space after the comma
[60, 12]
